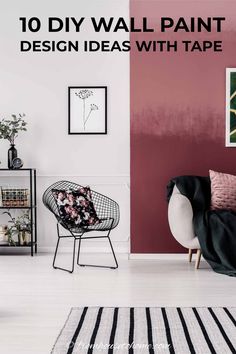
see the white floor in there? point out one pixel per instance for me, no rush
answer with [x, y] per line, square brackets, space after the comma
[35, 299]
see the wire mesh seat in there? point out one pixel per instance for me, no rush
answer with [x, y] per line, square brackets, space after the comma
[106, 209]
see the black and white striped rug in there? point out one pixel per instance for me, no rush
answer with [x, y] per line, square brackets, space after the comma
[201, 330]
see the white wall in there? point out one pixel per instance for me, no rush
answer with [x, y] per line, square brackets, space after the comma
[36, 84]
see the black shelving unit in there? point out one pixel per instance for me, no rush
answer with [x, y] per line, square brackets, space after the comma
[31, 173]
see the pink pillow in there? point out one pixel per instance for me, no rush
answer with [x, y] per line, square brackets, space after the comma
[223, 191]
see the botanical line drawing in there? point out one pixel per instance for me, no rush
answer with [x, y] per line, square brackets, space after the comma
[93, 107]
[84, 95]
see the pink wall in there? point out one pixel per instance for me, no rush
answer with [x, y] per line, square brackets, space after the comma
[177, 116]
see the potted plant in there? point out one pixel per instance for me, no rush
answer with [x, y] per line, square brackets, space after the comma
[9, 129]
[21, 226]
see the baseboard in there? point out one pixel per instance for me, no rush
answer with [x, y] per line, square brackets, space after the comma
[120, 247]
[156, 256]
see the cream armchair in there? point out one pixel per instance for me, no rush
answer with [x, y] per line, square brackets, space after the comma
[180, 217]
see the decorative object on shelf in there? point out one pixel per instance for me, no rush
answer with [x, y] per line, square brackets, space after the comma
[87, 110]
[12, 154]
[14, 197]
[3, 235]
[231, 107]
[21, 227]
[17, 163]
[10, 237]
[9, 129]
[25, 238]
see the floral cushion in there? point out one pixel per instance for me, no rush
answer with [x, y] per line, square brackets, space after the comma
[76, 207]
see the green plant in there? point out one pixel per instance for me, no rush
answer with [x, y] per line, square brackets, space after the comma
[9, 128]
[19, 224]
[9, 233]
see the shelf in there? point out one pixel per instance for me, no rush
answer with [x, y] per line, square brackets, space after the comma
[17, 245]
[22, 207]
[31, 208]
[19, 169]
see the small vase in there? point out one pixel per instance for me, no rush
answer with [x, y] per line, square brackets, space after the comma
[27, 238]
[12, 154]
[21, 237]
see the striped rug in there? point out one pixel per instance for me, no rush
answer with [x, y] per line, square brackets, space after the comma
[150, 330]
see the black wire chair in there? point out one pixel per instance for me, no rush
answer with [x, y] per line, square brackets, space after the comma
[107, 211]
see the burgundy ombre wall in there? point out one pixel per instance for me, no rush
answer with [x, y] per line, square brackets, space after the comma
[177, 115]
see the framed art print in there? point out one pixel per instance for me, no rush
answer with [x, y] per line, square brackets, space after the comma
[231, 107]
[87, 109]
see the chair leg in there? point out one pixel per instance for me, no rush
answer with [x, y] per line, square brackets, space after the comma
[73, 260]
[78, 251]
[199, 253]
[113, 252]
[55, 254]
[190, 254]
[94, 265]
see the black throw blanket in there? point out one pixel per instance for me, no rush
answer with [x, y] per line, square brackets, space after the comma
[216, 229]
